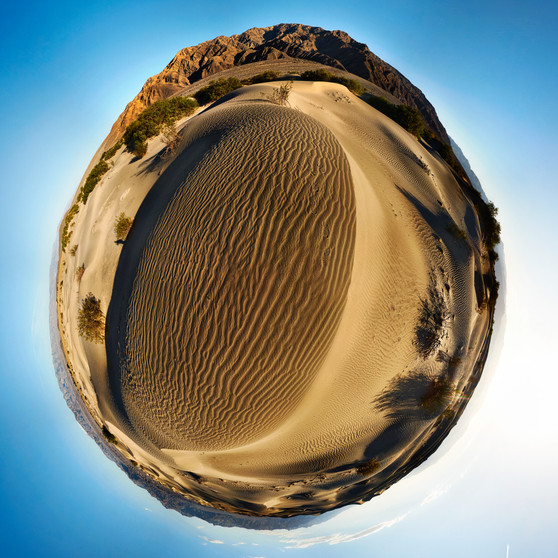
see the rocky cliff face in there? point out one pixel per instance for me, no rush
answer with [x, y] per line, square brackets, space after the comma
[284, 41]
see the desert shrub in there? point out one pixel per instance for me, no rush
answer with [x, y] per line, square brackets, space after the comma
[261, 78]
[324, 75]
[79, 272]
[91, 320]
[491, 227]
[411, 119]
[217, 89]
[456, 231]
[431, 321]
[151, 121]
[140, 149]
[280, 95]
[73, 250]
[407, 117]
[438, 395]
[122, 226]
[66, 232]
[92, 180]
[109, 436]
[170, 138]
[110, 153]
[368, 468]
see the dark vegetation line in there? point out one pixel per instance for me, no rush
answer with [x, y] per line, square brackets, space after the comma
[166, 112]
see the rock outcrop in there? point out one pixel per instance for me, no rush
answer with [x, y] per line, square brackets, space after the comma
[285, 41]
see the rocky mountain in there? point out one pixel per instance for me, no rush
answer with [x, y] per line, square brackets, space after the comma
[285, 41]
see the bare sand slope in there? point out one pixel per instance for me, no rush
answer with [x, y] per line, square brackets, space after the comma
[298, 309]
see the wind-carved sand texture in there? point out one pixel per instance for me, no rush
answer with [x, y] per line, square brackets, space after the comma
[224, 308]
[299, 313]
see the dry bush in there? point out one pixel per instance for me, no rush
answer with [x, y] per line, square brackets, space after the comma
[438, 396]
[79, 272]
[368, 468]
[91, 320]
[122, 226]
[280, 95]
[170, 138]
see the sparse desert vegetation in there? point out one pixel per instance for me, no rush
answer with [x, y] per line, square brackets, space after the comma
[438, 395]
[280, 95]
[122, 226]
[92, 180]
[456, 231]
[368, 468]
[109, 436]
[217, 89]
[324, 75]
[430, 327]
[171, 139]
[152, 120]
[407, 117]
[66, 232]
[79, 272]
[91, 320]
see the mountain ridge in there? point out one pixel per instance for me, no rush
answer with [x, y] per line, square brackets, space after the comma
[283, 41]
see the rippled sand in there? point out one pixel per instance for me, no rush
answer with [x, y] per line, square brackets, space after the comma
[229, 308]
[289, 297]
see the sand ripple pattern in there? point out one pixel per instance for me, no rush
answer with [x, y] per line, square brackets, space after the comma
[241, 284]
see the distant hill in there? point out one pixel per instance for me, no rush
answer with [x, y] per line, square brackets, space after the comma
[281, 42]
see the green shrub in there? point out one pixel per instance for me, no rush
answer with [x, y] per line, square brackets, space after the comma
[110, 153]
[109, 436]
[91, 320]
[407, 117]
[66, 232]
[261, 78]
[140, 149]
[324, 75]
[217, 89]
[92, 180]
[151, 121]
[122, 226]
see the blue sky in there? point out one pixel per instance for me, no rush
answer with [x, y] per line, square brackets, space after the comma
[67, 71]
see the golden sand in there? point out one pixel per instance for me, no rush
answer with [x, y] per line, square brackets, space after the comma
[289, 296]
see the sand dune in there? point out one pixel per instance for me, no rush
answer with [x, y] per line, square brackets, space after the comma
[291, 290]
[239, 286]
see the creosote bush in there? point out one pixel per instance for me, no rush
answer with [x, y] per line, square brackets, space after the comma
[407, 117]
[438, 395]
[152, 120]
[217, 89]
[171, 139]
[110, 153]
[261, 78]
[280, 95]
[91, 320]
[92, 180]
[66, 232]
[324, 75]
[109, 436]
[456, 231]
[368, 468]
[122, 226]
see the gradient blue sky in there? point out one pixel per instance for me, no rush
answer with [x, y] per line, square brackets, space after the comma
[67, 71]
